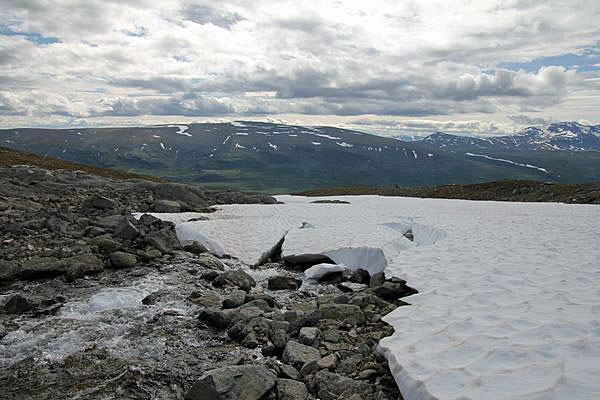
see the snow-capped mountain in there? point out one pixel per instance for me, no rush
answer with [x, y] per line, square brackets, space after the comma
[563, 136]
[284, 158]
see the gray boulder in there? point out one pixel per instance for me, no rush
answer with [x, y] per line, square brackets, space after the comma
[209, 261]
[309, 336]
[120, 259]
[164, 240]
[42, 267]
[235, 299]
[126, 230]
[288, 389]
[167, 206]
[195, 248]
[296, 354]
[237, 278]
[239, 382]
[331, 386]
[105, 244]
[81, 265]
[148, 219]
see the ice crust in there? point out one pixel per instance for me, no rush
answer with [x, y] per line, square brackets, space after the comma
[509, 305]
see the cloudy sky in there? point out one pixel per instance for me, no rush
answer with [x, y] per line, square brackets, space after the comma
[393, 67]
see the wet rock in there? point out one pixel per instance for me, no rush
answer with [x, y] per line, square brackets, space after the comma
[215, 318]
[167, 206]
[81, 265]
[238, 382]
[343, 312]
[209, 276]
[393, 290]
[154, 297]
[126, 230]
[377, 279]
[235, 299]
[164, 240]
[330, 202]
[120, 259]
[262, 296]
[288, 389]
[259, 303]
[42, 267]
[282, 282]
[101, 202]
[195, 248]
[200, 218]
[209, 261]
[409, 235]
[237, 278]
[360, 276]
[206, 299]
[297, 354]
[309, 336]
[18, 304]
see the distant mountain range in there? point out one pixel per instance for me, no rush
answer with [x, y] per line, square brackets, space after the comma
[283, 158]
[564, 136]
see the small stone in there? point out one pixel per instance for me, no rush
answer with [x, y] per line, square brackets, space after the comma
[298, 354]
[377, 279]
[101, 202]
[309, 336]
[287, 371]
[18, 304]
[288, 389]
[209, 261]
[367, 374]
[328, 362]
[309, 367]
[120, 259]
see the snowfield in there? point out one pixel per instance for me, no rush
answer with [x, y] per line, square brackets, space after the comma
[509, 302]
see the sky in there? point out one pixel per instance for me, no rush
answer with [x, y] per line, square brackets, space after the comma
[486, 67]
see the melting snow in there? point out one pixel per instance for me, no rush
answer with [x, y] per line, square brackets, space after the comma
[273, 146]
[239, 146]
[238, 124]
[226, 139]
[316, 143]
[242, 133]
[163, 146]
[508, 304]
[507, 161]
[327, 136]
[415, 154]
[344, 144]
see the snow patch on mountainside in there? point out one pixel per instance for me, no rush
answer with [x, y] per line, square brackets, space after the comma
[507, 161]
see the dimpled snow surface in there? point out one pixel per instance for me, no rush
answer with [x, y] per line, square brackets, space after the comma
[509, 293]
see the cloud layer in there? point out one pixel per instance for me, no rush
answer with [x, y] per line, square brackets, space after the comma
[64, 61]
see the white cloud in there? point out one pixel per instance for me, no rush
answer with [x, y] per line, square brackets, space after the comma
[134, 58]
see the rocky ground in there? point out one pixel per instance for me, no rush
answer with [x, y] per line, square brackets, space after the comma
[95, 304]
[504, 190]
